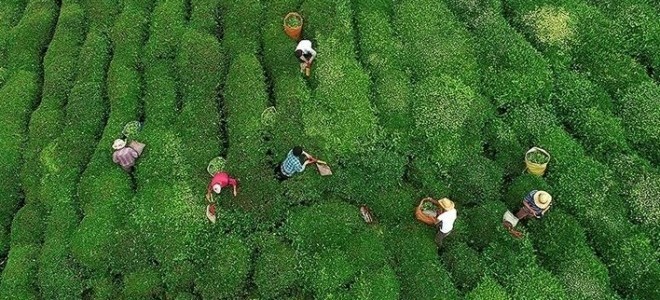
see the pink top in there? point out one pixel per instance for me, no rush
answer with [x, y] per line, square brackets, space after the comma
[222, 179]
[125, 157]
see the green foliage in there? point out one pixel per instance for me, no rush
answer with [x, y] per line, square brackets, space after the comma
[377, 284]
[329, 224]
[442, 112]
[204, 15]
[18, 95]
[275, 268]
[241, 23]
[31, 35]
[26, 226]
[488, 288]
[327, 270]
[485, 223]
[640, 114]
[101, 13]
[420, 274]
[18, 275]
[142, 284]
[225, 270]
[465, 266]
[435, 42]
[475, 179]
[167, 26]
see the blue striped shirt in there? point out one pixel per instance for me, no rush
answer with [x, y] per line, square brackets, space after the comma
[291, 165]
[529, 199]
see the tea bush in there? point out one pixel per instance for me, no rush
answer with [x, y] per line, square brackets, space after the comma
[640, 114]
[485, 223]
[19, 274]
[587, 110]
[377, 284]
[142, 284]
[417, 266]
[488, 288]
[226, 268]
[275, 268]
[241, 23]
[520, 186]
[18, 94]
[59, 72]
[436, 42]
[326, 271]
[28, 39]
[167, 25]
[204, 15]
[465, 266]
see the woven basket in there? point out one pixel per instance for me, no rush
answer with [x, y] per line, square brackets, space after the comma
[534, 168]
[293, 32]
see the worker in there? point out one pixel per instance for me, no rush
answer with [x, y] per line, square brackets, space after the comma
[305, 54]
[295, 162]
[535, 204]
[219, 180]
[123, 155]
[444, 216]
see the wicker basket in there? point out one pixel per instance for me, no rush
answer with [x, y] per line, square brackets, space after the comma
[293, 32]
[534, 168]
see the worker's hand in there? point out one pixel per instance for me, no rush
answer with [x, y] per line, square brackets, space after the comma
[312, 160]
[209, 198]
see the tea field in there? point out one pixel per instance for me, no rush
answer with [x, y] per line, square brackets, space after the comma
[407, 99]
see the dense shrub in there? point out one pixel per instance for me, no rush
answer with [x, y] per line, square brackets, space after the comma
[488, 288]
[484, 223]
[442, 111]
[475, 179]
[142, 284]
[329, 224]
[26, 226]
[167, 25]
[31, 35]
[19, 273]
[417, 265]
[447, 47]
[18, 95]
[327, 270]
[377, 284]
[465, 266]
[241, 22]
[101, 14]
[226, 268]
[640, 114]
[59, 71]
[512, 72]
[204, 14]
[475, 13]
[275, 268]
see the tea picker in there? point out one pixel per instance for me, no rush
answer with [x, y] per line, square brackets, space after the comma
[125, 155]
[439, 213]
[535, 204]
[295, 162]
[305, 54]
[219, 180]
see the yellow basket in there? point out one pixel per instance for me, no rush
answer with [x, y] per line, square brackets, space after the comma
[534, 168]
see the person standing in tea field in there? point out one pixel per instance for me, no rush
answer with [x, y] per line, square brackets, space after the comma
[123, 155]
[305, 54]
[295, 162]
[535, 204]
[444, 216]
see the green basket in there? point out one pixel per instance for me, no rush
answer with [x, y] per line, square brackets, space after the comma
[131, 129]
[216, 165]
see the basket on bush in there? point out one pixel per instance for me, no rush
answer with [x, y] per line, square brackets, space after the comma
[421, 216]
[216, 165]
[293, 25]
[536, 160]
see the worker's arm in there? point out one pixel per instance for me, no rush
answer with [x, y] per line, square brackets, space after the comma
[234, 183]
[235, 191]
[313, 52]
[114, 157]
[209, 196]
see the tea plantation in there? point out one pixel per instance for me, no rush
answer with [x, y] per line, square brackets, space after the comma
[407, 99]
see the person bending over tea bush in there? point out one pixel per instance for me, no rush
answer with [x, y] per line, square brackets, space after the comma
[123, 155]
[305, 54]
[295, 162]
[535, 204]
[219, 180]
[444, 215]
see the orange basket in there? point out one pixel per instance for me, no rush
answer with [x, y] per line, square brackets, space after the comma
[293, 31]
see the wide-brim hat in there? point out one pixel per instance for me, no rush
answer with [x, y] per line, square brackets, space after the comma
[542, 199]
[446, 204]
[118, 144]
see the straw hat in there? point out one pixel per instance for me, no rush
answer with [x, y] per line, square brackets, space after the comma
[217, 188]
[542, 199]
[118, 144]
[446, 204]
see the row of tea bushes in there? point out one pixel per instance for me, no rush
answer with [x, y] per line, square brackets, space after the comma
[105, 190]
[63, 161]
[24, 45]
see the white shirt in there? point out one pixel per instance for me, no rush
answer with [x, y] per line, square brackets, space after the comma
[306, 47]
[447, 218]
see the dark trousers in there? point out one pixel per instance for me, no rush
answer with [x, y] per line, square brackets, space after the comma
[439, 236]
[278, 173]
[525, 213]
